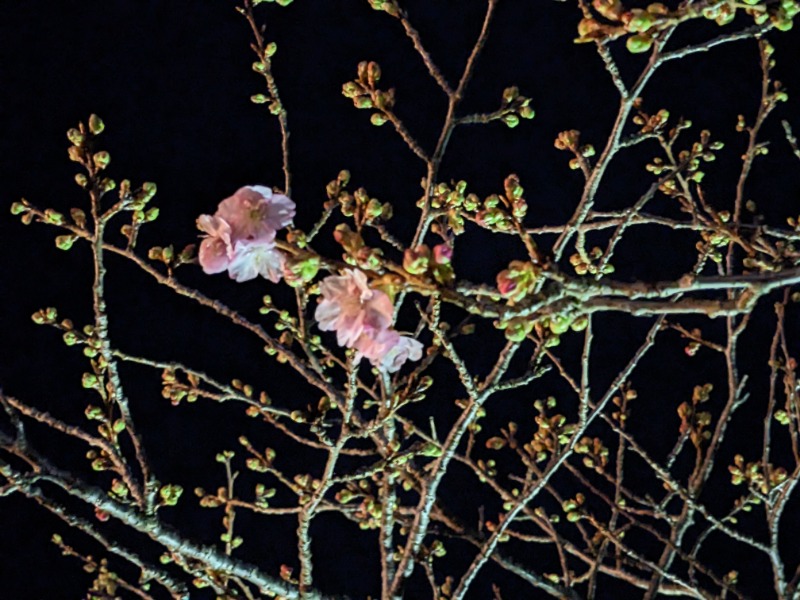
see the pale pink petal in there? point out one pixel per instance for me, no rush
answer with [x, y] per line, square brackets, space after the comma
[406, 348]
[348, 328]
[387, 349]
[327, 314]
[215, 248]
[350, 307]
[280, 211]
[251, 259]
[214, 227]
[374, 345]
[255, 213]
[213, 255]
[378, 310]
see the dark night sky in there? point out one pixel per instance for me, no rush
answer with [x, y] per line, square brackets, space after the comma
[172, 81]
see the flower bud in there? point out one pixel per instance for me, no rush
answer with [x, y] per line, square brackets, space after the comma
[362, 102]
[350, 89]
[610, 9]
[378, 119]
[516, 330]
[64, 242]
[416, 260]
[559, 324]
[101, 159]
[587, 26]
[75, 136]
[518, 280]
[442, 254]
[510, 94]
[373, 73]
[640, 21]
[636, 44]
[74, 154]
[96, 125]
[54, 217]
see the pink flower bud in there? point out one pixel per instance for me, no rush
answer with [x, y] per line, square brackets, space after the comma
[442, 254]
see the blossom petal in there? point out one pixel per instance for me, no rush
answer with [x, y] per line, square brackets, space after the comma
[255, 213]
[213, 255]
[251, 259]
[406, 348]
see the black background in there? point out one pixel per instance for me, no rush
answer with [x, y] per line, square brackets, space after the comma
[172, 81]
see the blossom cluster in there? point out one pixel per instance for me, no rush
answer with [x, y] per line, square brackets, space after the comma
[362, 319]
[240, 236]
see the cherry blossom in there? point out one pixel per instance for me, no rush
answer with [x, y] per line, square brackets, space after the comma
[362, 319]
[388, 350]
[214, 249]
[350, 307]
[240, 236]
[252, 258]
[255, 212]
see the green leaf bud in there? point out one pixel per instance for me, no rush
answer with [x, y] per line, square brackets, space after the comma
[431, 450]
[559, 324]
[344, 496]
[271, 49]
[64, 242]
[96, 125]
[362, 102]
[54, 217]
[101, 159]
[726, 15]
[75, 154]
[170, 494]
[641, 21]
[378, 119]
[416, 260]
[373, 73]
[75, 136]
[511, 120]
[636, 44]
[350, 89]
[259, 99]
[18, 208]
[510, 94]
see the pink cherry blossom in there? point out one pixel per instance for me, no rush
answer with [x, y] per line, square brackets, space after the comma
[254, 212]
[362, 319]
[442, 254]
[406, 348]
[374, 345]
[388, 350]
[250, 259]
[214, 249]
[350, 307]
[241, 234]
